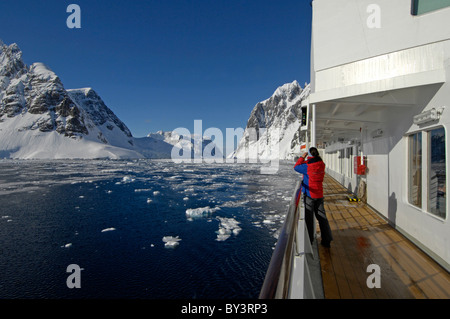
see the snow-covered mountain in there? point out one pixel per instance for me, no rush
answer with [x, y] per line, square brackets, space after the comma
[39, 118]
[272, 130]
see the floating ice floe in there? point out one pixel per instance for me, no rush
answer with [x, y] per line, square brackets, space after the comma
[108, 229]
[170, 241]
[127, 179]
[227, 227]
[239, 203]
[201, 212]
[138, 190]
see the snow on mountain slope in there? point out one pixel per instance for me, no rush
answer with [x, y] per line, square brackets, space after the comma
[40, 119]
[103, 125]
[164, 144]
[273, 127]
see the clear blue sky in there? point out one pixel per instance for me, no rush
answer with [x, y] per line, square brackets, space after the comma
[161, 64]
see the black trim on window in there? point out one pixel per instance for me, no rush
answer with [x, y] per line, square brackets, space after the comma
[414, 7]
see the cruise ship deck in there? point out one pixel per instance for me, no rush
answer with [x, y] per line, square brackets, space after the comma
[362, 238]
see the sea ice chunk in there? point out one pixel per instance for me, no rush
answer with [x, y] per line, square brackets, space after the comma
[127, 179]
[108, 229]
[227, 227]
[170, 241]
[200, 212]
[138, 190]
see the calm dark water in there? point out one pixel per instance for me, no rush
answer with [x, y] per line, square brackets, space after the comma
[55, 213]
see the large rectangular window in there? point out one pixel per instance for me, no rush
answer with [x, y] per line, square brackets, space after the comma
[415, 169]
[437, 174]
[424, 6]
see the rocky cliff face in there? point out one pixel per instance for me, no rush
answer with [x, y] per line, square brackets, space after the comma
[35, 107]
[100, 120]
[39, 118]
[36, 91]
[272, 130]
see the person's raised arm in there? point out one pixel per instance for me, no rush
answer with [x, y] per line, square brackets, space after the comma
[301, 166]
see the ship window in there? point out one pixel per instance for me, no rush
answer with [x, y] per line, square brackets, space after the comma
[437, 175]
[415, 169]
[423, 6]
[349, 161]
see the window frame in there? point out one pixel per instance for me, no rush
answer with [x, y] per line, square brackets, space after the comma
[425, 176]
[428, 170]
[415, 8]
[349, 156]
[409, 168]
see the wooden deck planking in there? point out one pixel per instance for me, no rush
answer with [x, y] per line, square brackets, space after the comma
[362, 237]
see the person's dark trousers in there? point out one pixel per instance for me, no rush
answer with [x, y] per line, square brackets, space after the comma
[316, 207]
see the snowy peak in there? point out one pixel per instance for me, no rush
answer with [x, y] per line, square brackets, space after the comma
[97, 110]
[43, 72]
[288, 91]
[273, 127]
[35, 91]
[10, 60]
[283, 104]
[39, 118]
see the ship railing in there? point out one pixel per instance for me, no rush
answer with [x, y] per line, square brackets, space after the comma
[288, 275]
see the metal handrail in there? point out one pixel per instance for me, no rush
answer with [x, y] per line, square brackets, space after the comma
[276, 282]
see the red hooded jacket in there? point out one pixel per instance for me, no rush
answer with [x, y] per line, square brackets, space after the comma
[313, 171]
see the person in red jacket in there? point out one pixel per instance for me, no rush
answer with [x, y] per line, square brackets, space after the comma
[313, 170]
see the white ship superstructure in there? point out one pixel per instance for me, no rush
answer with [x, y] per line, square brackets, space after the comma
[380, 90]
[379, 111]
